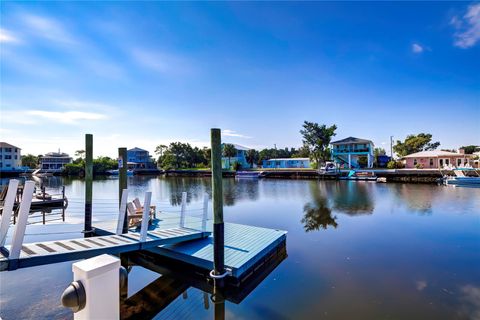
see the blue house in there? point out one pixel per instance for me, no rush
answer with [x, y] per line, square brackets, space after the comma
[353, 153]
[286, 163]
[139, 159]
[241, 158]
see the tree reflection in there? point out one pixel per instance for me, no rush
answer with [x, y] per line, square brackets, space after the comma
[317, 213]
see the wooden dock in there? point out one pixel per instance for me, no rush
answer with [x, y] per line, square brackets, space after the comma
[39, 253]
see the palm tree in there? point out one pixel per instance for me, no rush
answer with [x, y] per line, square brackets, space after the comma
[229, 151]
[252, 156]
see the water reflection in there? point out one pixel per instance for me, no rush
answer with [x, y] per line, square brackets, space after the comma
[317, 213]
[352, 198]
[418, 198]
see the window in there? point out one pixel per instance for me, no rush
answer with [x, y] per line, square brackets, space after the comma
[7, 165]
[0, 157]
[8, 149]
[447, 161]
[16, 150]
[414, 162]
[15, 157]
[7, 156]
[431, 162]
[459, 162]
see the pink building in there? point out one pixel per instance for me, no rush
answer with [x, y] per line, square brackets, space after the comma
[437, 159]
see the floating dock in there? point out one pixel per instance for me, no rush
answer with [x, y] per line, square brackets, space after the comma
[246, 247]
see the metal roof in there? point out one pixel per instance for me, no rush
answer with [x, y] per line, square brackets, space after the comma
[351, 140]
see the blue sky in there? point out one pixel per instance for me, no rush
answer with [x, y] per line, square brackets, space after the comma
[143, 73]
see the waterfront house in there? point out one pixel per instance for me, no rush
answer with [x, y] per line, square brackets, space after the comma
[240, 158]
[382, 160]
[139, 159]
[286, 163]
[10, 157]
[353, 153]
[54, 162]
[437, 159]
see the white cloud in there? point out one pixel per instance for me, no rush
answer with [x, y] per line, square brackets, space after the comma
[231, 133]
[416, 48]
[468, 27]
[7, 36]
[47, 28]
[161, 62]
[68, 117]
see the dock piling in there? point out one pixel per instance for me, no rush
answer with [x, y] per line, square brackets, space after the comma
[182, 211]
[122, 179]
[19, 232]
[88, 184]
[217, 191]
[7, 210]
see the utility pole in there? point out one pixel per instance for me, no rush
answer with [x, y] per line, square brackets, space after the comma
[391, 147]
[122, 180]
[88, 184]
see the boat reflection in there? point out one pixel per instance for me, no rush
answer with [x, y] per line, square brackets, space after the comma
[177, 279]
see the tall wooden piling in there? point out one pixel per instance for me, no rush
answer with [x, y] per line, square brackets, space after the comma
[88, 184]
[122, 180]
[218, 226]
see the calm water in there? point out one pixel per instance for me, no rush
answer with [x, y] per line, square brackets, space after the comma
[355, 250]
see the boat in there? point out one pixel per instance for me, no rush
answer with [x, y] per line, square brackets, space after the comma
[460, 179]
[115, 172]
[248, 174]
[360, 176]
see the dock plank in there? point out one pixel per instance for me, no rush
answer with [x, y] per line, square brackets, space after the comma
[45, 252]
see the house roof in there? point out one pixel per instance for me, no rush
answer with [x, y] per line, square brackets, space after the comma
[237, 146]
[435, 153]
[136, 149]
[351, 140]
[57, 155]
[7, 145]
[286, 159]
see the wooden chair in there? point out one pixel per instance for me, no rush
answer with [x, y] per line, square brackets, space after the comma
[139, 208]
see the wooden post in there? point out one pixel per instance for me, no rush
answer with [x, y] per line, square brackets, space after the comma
[122, 180]
[217, 191]
[88, 184]
[19, 232]
[7, 210]
[182, 211]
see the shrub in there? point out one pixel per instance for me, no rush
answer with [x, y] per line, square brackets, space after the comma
[391, 164]
[419, 166]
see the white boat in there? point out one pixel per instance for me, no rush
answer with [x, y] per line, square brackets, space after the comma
[248, 174]
[115, 172]
[460, 179]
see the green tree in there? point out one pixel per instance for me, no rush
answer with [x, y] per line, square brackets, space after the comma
[80, 154]
[379, 152]
[317, 139]
[30, 161]
[415, 143]
[252, 156]
[470, 149]
[229, 151]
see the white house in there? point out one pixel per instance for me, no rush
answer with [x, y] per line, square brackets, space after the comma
[10, 157]
[54, 161]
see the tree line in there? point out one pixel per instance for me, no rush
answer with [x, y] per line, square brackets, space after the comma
[316, 139]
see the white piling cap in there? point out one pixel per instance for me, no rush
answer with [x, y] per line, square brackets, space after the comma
[96, 266]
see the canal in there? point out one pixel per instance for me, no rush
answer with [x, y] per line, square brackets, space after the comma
[356, 250]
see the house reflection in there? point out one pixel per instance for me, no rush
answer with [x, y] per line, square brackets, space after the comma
[418, 198]
[351, 197]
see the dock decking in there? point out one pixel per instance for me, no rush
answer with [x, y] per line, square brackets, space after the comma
[245, 246]
[39, 253]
